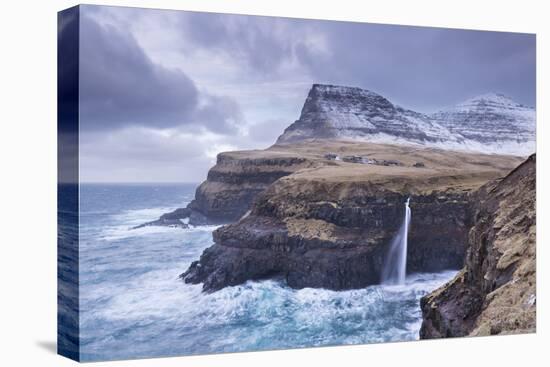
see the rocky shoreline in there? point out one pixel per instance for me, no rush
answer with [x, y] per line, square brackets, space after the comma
[231, 186]
[334, 252]
[329, 224]
[320, 211]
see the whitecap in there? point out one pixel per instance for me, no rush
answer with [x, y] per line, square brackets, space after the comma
[136, 217]
[124, 231]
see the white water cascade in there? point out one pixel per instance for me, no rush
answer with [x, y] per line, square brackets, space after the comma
[395, 265]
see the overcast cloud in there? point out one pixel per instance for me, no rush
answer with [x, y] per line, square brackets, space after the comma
[162, 92]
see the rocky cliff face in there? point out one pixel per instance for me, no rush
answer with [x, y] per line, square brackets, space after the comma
[330, 225]
[338, 244]
[235, 180]
[490, 123]
[495, 293]
[232, 184]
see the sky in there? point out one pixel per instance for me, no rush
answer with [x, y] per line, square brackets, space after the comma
[163, 92]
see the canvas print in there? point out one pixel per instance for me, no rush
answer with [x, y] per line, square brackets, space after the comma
[234, 183]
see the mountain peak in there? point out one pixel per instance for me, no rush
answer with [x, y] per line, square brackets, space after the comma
[488, 102]
[492, 119]
[327, 99]
[491, 122]
[331, 89]
[333, 111]
[492, 97]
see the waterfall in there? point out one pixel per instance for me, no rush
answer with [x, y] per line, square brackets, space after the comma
[395, 265]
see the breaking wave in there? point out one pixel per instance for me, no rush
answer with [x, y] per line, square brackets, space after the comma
[134, 305]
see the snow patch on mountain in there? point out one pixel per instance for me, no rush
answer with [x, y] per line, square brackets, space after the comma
[491, 123]
[492, 119]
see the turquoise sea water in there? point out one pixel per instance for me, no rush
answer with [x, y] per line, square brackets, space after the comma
[133, 305]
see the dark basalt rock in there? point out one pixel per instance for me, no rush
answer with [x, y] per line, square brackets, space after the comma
[333, 245]
[230, 188]
[495, 293]
[172, 219]
[329, 224]
[262, 247]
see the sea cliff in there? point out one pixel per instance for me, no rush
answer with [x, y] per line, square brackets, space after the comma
[233, 183]
[329, 223]
[491, 123]
[495, 292]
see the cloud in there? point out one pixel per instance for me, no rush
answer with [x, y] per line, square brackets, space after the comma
[422, 68]
[265, 131]
[263, 46]
[164, 91]
[148, 155]
[425, 68]
[220, 114]
[121, 86]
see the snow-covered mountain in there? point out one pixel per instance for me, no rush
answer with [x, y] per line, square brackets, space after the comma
[489, 123]
[493, 121]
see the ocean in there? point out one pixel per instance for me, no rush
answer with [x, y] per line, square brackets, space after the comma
[133, 305]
